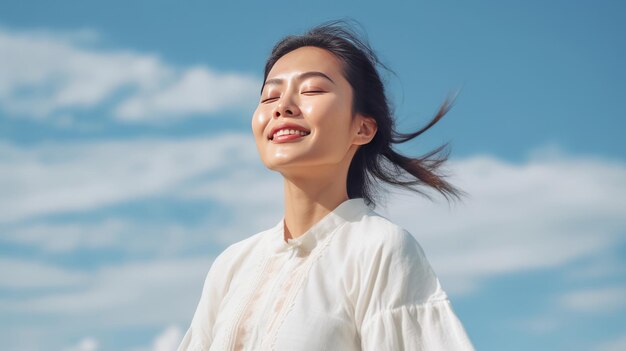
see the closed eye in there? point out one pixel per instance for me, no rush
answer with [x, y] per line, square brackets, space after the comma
[269, 99]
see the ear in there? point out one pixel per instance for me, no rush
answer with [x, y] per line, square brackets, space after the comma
[365, 129]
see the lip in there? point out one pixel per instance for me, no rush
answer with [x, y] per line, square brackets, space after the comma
[285, 125]
[286, 138]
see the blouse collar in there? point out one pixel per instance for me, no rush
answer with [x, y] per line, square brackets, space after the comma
[347, 211]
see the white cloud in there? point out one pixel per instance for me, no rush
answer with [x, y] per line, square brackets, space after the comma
[17, 273]
[541, 325]
[550, 211]
[145, 293]
[68, 237]
[197, 90]
[599, 267]
[547, 212]
[595, 300]
[129, 295]
[86, 344]
[252, 195]
[72, 176]
[168, 340]
[133, 237]
[46, 73]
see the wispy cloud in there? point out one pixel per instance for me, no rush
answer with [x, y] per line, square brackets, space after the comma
[132, 296]
[68, 237]
[45, 74]
[541, 325]
[196, 90]
[595, 300]
[519, 217]
[86, 344]
[544, 213]
[127, 236]
[19, 273]
[168, 340]
[72, 176]
[123, 294]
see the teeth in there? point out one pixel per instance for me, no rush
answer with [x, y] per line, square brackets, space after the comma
[289, 132]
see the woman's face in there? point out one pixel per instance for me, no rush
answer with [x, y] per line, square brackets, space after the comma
[304, 117]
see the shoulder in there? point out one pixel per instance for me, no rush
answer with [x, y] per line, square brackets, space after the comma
[374, 232]
[240, 250]
[389, 253]
[388, 267]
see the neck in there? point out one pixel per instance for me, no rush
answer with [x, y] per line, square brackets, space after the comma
[309, 199]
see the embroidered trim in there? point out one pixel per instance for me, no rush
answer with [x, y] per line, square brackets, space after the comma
[229, 342]
[291, 296]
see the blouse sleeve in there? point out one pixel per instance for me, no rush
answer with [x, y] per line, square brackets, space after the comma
[402, 304]
[198, 336]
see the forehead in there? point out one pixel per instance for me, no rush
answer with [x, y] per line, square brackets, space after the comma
[307, 58]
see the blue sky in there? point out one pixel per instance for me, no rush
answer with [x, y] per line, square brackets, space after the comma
[127, 162]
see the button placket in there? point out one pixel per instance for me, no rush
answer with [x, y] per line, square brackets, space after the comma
[285, 274]
[299, 254]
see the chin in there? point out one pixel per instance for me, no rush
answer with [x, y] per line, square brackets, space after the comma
[278, 166]
[275, 164]
[283, 166]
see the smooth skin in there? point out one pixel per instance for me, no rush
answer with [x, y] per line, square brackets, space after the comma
[314, 167]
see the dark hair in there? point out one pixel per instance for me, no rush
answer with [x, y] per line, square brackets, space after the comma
[376, 161]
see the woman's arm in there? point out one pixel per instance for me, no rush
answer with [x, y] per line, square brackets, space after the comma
[402, 304]
[199, 334]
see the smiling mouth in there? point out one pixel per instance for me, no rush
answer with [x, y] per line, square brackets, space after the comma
[288, 135]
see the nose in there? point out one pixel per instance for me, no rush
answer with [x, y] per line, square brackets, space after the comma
[286, 107]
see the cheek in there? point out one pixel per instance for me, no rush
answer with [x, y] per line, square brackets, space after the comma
[332, 118]
[260, 118]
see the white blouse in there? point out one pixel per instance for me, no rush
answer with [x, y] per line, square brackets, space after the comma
[353, 281]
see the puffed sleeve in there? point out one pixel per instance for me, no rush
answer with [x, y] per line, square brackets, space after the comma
[199, 334]
[402, 305]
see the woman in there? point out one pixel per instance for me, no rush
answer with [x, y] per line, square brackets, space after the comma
[332, 274]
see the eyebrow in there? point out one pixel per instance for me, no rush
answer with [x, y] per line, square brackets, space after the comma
[300, 76]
